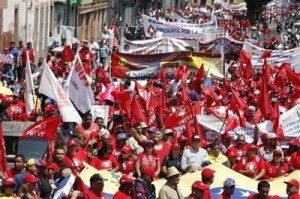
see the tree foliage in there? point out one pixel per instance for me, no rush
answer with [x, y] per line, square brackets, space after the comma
[255, 9]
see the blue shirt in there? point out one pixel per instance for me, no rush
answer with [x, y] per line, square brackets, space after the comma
[19, 180]
[15, 53]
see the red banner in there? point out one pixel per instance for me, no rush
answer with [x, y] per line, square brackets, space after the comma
[44, 129]
[182, 115]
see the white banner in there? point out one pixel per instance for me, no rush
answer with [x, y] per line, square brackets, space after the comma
[179, 30]
[29, 94]
[78, 88]
[239, 7]
[290, 121]
[156, 46]
[100, 111]
[278, 56]
[51, 87]
[68, 34]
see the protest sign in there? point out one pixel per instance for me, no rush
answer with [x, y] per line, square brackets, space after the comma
[100, 111]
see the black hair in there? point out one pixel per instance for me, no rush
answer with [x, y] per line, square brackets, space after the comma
[20, 156]
[263, 184]
[105, 147]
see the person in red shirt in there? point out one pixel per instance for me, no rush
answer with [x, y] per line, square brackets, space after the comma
[293, 147]
[125, 189]
[73, 158]
[263, 189]
[126, 161]
[207, 177]
[96, 189]
[292, 189]
[161, 148]
[198, 189]
[86, 127]
[239, 146]
[252, 165]
[16, 108]
[295, 160]
[19, 166]
[120, 143]
[277, 167]
[105, 160]
[229, 187]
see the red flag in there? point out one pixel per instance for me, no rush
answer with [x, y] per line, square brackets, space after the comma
[182, 115]
[200, 73]
[82, 188]
[143, 94]
[275, 116]
[137, 114]
[240, 71]
[67, 54]
[264, 102]
[295, 95]
[240, 103]
[182, 73]
[210, 92]
[162, 75]
[266, 54]
[293, 77]
[45, 129]
[185, 96]
[231, 124]
[245, 57]
[188, 133]
[225, 84]
[105, 80]
[218, 111]
[151, 109]
[266, 71]
[248, 72]
[3, 163]
[161, 106]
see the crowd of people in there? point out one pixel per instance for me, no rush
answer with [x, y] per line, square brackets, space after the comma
[142, 151]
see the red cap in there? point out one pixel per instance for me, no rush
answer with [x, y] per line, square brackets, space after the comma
[251, 146]
[53, 166]
[126, 178]
[264, 136]
[72, 143]
[98, 85]
[95, 135]
[175, 146]
[118, 126]
[277, 153]
[9, 181]
[293, 182]
[49, 107]
[181, 138]
[207, 173]
[149, 171]
[232, 153]
[227, 135]
[199, 185]
[126, 149]
[294, 142]
[30, 178]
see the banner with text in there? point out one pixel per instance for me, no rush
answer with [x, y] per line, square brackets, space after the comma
[278, 56]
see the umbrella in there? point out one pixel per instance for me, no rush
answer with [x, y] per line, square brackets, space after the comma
[5, 59]
[5, 91]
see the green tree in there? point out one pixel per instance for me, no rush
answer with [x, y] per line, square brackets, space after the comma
[255, 9]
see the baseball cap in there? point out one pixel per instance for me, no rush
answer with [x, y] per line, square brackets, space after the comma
[196, 137]
[126, 149]
[272, 136]
[35, 162]
[53, 166]
[229, 182]
[175, 146]
[149, 142]
[149, 171]
[168, 131]
[294, 142]
[227, 135]
[181, 138]
[97, 178]
[277, 153]
[72, 143]
[152, 129]
[126, 179]
[199, 185]
[122, 136]
[30, 178]
[9, 181]
[293, 182]
[207, 173]
[251, 146]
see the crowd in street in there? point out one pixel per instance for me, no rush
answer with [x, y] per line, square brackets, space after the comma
[143, 151]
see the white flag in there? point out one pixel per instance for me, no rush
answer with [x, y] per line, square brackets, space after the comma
[51, 87]
[78, 87]
[29, 94]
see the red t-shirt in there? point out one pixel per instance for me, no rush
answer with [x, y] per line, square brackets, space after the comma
[92, 195]
[295, 160]
[256, 163]
[104, 164]
[294, 196]
[272, 171]
[255, 196]
[223, 196]
[126, 166]
[75, 162]
[86, 131]
[163, 152]
[11, 172]
[146, 162]
[240, 151]
[121, 195]
[15, 110]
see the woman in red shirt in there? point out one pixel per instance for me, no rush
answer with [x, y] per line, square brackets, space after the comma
[148, 158]
[125, 189]
[105, 160]
[126, 161]
[277, 167]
